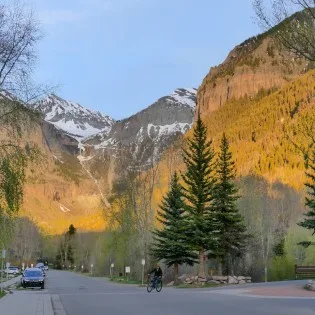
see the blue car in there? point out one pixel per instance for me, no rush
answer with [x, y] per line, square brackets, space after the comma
[32, 278]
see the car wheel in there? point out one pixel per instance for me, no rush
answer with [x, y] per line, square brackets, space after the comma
[42, 286]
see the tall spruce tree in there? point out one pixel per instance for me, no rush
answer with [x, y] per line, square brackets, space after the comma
[199, 179]
[170, 243]
[232, 227]
[309, 221]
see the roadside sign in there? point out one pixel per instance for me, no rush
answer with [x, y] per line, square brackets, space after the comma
[127, 269]
[112, 265]
[143, 262]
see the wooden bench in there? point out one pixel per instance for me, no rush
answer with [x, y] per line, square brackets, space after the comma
[303, 272]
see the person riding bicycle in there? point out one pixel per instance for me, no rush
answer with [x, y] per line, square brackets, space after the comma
[157, 273]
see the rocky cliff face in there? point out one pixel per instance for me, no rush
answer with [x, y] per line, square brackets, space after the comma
[256, 64]
[148, 133]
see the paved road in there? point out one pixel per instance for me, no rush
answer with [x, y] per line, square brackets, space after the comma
[82, 295]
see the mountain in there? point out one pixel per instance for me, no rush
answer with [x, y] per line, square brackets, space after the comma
[260, 96]
[72, 118]
[149, 132]
[258, 64]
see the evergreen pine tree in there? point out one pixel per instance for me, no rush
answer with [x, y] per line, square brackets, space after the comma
[309, 221]
[199, 190]
[170, 243]
[232, 227]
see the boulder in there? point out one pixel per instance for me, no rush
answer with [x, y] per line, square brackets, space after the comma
[220, 278]
[241, 281]
[240, 278]
[248, 278]
[202, 280]
[248, 281]
[183, 277]
[232, 280]
[170, 284]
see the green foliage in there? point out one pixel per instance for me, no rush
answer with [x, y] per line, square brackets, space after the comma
[278, 249]
[15, 119]
[170, 242]
[199, 180]
[232, 228]
[309, 221]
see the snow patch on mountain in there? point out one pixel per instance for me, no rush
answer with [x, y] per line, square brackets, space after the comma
[184, 97]
[72, 118]
[157, 132]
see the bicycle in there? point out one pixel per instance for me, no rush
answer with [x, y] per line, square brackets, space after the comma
[154, 283]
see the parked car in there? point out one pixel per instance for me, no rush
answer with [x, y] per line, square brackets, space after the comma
[41, 266]
[32, 278]
[13, 270]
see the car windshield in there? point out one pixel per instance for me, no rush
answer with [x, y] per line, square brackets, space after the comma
[13, 268]
[32, 273]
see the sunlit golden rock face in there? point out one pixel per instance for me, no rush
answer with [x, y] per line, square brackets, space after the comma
[256, 65]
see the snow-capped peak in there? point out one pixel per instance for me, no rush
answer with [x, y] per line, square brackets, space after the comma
[184, 97]
[76, 120]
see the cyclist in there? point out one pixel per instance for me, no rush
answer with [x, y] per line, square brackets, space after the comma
[157, 273]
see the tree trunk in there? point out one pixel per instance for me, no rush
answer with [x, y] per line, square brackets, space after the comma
[175, 274]
[202, 263]
[220, 268]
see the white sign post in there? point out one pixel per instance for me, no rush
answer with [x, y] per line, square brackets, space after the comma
[23, 266]
[92, 269]
[111, 270]
[142, 263]
[127, 271]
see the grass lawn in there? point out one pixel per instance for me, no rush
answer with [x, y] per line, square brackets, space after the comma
[2, 294]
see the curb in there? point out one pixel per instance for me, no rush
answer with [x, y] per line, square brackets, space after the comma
[57, 305]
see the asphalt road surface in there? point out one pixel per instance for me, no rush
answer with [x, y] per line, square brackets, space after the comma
[81, 295]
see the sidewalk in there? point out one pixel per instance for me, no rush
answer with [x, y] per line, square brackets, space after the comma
[10, 282]
[26, 303]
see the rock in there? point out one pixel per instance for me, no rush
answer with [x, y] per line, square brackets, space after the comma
[202, 280]
[248, 281]
[189, 282]
[240, 278]
[241, 281]
[220, 278]
[310, 287]
[196, 278]
[170, 284]
[183, 277]
[187, 279]
[248, 278]
[232, 280]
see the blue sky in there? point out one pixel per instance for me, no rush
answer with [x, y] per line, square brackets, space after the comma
[119, 56]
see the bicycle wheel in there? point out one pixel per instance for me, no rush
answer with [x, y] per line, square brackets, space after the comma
[159, 285]
[149, 286]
